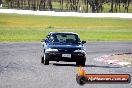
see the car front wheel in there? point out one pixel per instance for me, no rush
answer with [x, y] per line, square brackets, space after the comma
[44, 60]
[81, 62]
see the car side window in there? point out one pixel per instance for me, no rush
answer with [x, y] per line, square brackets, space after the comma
[50, 38]
[46, 39]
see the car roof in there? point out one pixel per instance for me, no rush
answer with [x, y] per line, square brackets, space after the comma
[62, 33]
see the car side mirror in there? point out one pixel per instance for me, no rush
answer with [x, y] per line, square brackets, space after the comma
[42, 40]
[47, 36]
[83, 42]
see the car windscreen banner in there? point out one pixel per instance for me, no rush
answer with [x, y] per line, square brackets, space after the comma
[82, 77]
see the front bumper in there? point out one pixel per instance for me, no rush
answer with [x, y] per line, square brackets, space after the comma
[57, 56]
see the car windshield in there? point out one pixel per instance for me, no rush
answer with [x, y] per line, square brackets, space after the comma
[66, 38]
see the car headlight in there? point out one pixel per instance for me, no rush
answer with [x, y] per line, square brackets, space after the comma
[47, 50]
[81, 51]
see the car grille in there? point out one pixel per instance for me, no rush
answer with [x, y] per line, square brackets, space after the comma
[66, 50]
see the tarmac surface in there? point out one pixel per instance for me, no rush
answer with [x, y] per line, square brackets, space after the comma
[20, 66]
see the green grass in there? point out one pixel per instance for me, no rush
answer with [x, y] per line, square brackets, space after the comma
[33, 28]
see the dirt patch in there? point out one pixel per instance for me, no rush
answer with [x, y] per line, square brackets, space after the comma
[123, 58]
[117, 59]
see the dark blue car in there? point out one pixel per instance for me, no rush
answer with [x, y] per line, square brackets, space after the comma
[63, 46]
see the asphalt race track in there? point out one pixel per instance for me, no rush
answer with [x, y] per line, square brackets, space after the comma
[20, 66]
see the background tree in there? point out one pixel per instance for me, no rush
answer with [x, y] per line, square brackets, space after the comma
[0, 2]
[95, 6]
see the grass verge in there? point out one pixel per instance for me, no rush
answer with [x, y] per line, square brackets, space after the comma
[33, 28]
